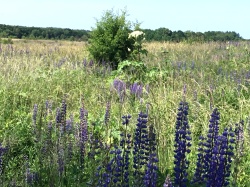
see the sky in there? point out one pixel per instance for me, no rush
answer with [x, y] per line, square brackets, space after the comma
[184, 15]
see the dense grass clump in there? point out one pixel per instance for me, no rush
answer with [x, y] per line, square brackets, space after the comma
[64, 120]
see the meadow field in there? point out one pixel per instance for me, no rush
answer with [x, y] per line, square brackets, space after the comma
[64, 120]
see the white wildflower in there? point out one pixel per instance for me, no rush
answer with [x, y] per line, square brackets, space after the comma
[129, 49]
[135, 34]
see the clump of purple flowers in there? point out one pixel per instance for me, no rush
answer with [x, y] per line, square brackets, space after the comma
[132, 163]
[136, 89]
[215, 155]
[120, 87]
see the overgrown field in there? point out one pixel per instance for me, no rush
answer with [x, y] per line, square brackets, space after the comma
[66, 122]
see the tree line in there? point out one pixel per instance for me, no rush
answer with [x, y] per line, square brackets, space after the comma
[164, 34]
[160, 34]
[49, 33]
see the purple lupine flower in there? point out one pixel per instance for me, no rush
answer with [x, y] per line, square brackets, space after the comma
[70, 150]
[136, 89]
[116, 171]
[222, 153]
[31, 177]
[60, 161]
[58, 117]
[2, 152]
[150, 177]
[83, 134]
[63, 114]
[85, 63]
[139, 147]
[151, 141]
[239, 132]
[34, 118]
[182, 144]
[120, 87]
[213, 133]
[199, 171]
[117, 166]
[48, 141]
[35, 110]
[91, 63]
[61, 62]
[83, 125]
[106, 178]
[167, 182]
[126, 119]
[107, 113]
[48, 108]
[69, 126]
[125, 144]
[239, 149]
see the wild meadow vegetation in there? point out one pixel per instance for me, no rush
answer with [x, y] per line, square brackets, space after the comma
[120, 111]
[66, 121]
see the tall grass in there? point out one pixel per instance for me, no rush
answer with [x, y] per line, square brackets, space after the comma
[207, 76]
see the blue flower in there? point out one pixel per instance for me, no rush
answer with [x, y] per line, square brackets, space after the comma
[182, 144]
[139, 146]
[2, 152]
[167, 182]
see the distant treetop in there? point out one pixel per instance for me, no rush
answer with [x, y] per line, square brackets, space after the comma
[160, 34]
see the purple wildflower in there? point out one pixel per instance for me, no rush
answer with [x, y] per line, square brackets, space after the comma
[120, 87]
[2, 152]
[140, 146]
[239, 132]
[200, 167]
[63, 114]
[83, 133]
[167, 182]
[136, 89]
[150, 177]
[182, 144]
[222, 153]
[48, 108]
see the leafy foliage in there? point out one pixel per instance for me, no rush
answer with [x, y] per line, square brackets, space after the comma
[109, 40]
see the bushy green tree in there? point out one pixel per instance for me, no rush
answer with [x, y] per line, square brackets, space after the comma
[109, 41]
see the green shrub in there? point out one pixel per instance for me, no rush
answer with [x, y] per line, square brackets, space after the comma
[109, 41]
